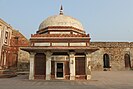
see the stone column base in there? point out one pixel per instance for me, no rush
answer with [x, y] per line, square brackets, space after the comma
[72, 77]
[48, 77]
[31, 77]
[88, 77]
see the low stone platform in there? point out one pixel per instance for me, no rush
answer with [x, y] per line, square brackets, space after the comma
[7, 73]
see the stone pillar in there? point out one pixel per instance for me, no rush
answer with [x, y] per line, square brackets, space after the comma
[88, 65]
[72, 65]
[48, 65]
[0, 55]
[32, 58]
[2, 59]
[5, 59]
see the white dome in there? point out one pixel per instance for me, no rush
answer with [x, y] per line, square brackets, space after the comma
[61, 20]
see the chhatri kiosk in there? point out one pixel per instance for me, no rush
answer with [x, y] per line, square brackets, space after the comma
[60, 49]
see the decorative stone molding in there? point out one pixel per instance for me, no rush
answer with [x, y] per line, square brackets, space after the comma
[48, 54]
[42, 44]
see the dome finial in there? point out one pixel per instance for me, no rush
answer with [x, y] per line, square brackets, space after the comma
[61, 10]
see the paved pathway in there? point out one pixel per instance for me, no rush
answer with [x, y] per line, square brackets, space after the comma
[100, 80]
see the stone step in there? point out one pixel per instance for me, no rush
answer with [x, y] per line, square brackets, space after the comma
[22, 72]
[7, 73]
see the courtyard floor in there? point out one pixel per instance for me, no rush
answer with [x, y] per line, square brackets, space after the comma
[100, 80]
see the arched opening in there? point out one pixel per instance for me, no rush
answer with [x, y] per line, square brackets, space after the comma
[40, 65]
[106, 61]
[80, 67]
[127, 61]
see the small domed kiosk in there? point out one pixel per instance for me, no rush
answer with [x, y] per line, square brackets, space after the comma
[60, 49]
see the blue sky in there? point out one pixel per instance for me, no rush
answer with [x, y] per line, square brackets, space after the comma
[104, 20]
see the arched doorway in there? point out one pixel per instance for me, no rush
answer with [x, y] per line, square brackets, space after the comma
[127, 61]
[106, 61]
[40, 66]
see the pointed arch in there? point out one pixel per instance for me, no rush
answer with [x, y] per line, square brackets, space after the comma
[127, 61]
[40, 64]
[106, 61]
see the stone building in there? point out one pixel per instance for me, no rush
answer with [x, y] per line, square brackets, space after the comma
[60, 49]
[112, 56]
[5, 36]
[17, 57]
[10, 42]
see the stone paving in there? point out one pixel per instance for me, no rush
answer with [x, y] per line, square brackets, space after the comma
[100, 80]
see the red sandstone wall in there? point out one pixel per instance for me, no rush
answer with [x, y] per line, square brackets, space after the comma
[17, 40]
